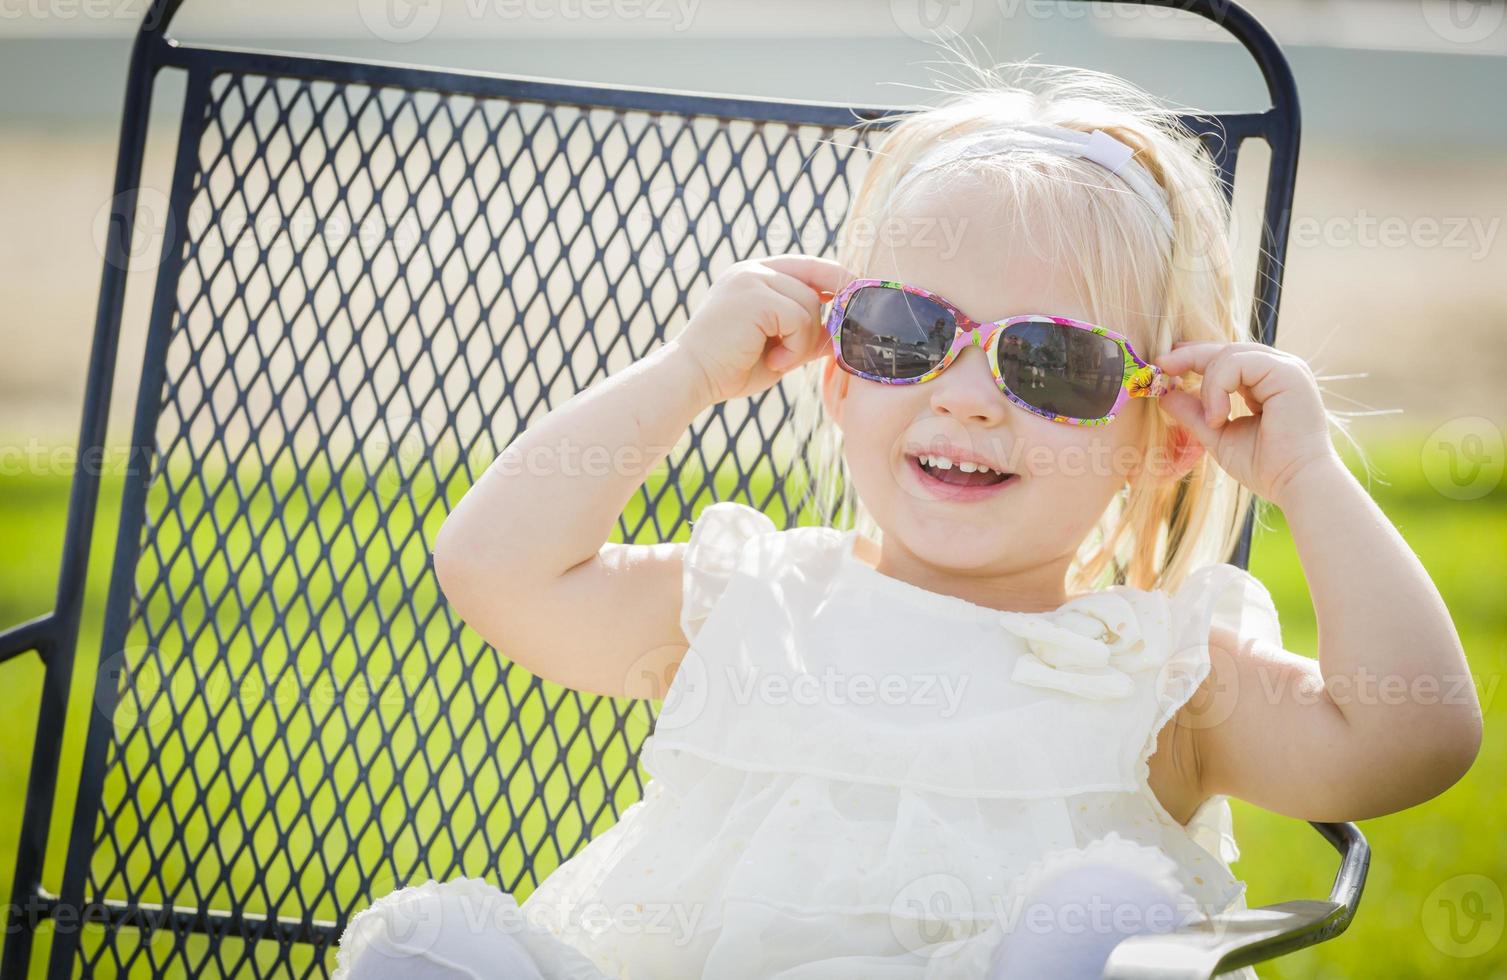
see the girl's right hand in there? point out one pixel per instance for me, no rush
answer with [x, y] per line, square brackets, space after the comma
[760, 320]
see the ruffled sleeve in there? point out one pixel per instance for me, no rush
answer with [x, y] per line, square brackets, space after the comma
[1225, 594]
[1221, 593]
[711, 555]
[1232, 597]
[1212, 828]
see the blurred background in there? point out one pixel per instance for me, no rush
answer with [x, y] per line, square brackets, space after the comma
[1394, 292]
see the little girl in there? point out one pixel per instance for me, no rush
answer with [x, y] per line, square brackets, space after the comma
[990, 729]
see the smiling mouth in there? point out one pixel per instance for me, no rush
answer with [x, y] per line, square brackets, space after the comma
[953, 474]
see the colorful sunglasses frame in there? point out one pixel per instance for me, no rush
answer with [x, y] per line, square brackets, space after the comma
[1141, 379]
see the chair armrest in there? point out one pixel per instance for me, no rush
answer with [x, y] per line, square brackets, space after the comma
[1245, 936]
[34, 634]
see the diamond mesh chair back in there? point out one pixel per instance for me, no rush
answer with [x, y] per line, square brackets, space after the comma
[370, 279]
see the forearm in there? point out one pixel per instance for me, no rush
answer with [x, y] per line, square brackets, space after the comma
[1389, 652]
[551, 498]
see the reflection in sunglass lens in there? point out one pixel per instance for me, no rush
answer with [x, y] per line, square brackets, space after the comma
[1060, 369]
[892, 333]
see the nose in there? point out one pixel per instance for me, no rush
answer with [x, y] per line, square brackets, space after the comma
[967, 390]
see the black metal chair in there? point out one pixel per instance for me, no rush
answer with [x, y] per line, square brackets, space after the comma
[270, 540]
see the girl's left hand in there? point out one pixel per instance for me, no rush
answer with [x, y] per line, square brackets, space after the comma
[1288, 429]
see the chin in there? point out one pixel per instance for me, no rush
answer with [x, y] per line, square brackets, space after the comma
[953, 541]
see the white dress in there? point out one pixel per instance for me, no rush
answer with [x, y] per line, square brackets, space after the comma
[853, 776]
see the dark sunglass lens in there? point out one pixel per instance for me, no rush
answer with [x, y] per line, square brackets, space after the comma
[1060, 369]
[891, 333]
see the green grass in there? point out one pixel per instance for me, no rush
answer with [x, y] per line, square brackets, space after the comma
[318, 741]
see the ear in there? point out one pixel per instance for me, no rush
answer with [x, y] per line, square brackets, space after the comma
[1171, 462]
[834, 388]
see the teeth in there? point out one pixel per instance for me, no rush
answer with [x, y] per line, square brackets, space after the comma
[943, 463]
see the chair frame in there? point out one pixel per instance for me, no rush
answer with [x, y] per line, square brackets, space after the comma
[1230, 942]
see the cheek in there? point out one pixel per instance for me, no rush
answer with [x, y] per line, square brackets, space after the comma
[875, 415]
[876, 418]
[1079, 463]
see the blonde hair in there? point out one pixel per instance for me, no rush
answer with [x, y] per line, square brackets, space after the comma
[1130, 275]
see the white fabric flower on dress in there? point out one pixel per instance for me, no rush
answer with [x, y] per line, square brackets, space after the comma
[1089, 647]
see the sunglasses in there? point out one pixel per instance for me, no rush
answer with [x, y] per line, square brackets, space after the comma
[1059, 368]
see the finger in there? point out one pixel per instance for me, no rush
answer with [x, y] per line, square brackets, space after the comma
[792, 353]
[1188, 357]
[1195, 355]
[1198, 357]
[786, 319]
[796, 290]
[1249, 397]
[1177, 344]
[821, 344]
[788, 324]
[814, 338]
[822, 275]
[1240, 372]
[815, 341]
[780, 360]
[1186, 409]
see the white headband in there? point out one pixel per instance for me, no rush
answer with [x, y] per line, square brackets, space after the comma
[1097, 146]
